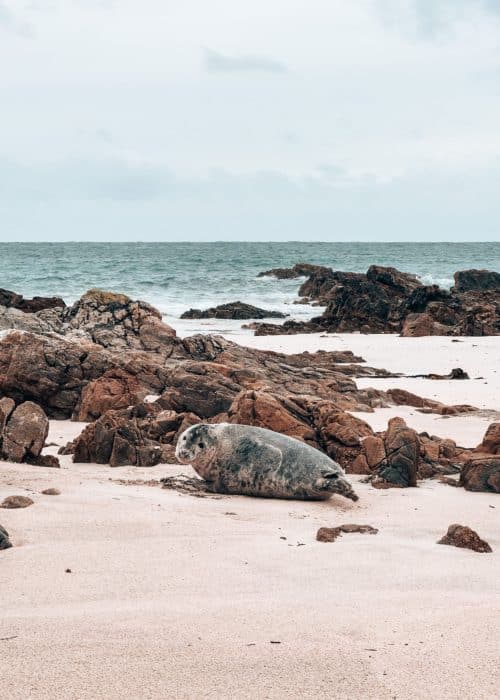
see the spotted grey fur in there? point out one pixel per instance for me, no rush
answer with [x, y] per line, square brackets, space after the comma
[243, 459]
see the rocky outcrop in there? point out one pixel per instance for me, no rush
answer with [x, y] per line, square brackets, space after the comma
[138, 436]
[24, 432]
[118, 323]
[385, 300]
[465, 538]
[235, 310]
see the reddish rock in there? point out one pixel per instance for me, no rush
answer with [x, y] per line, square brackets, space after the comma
[418, 325]
[491, 440]
[115, 389]
[264, 410]
[462, 536]
[374, 451]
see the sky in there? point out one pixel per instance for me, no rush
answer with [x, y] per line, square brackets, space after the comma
[263, 120]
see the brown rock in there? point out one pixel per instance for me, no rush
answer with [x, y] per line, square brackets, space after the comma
[25, 433]
[491, 440]
[6, 407]
[51, 492]
[481, 474]
[16, 502]
[330, 534]
[402, 448]
[462, 536]
[374, 451]
[115, 389]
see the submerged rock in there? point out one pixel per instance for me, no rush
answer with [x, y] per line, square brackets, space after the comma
[463, 537]
[234, 310]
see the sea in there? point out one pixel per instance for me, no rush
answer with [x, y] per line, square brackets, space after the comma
[178, 276]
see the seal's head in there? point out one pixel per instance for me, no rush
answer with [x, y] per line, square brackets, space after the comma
[196, 443]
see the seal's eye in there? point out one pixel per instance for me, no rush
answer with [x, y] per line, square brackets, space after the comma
[201, 445]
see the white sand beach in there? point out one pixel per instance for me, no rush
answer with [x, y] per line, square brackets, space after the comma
[174, 596]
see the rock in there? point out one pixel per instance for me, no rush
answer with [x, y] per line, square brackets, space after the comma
[17, 301]
[118, 323]
[374, 451]
[298, 270]
[51, 492]
[16, 502]
[330, 534]
[5, 542]
[385, 300]
[468, 280]
[481, 474]
[6, 407]
[25, 433]
[402, 448]
[418, 325]
[131, 436]
[462, 536]
[115, 389]
[234, 310]
[44, 322]
[46, 461]
[265, 410]
[491, 440]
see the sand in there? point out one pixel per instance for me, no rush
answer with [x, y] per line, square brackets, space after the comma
[173, 596]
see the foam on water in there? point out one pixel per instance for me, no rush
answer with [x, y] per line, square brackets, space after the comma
[177, 276]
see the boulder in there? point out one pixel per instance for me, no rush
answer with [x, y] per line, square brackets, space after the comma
[463, 537]
[25, 433]
[481, 474]
[422, 324]
[115, 389]
[234, 310]
[16, 502]
[471, 280]
[491, 440]
[118, 323]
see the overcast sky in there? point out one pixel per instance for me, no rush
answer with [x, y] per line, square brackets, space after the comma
[250, 119]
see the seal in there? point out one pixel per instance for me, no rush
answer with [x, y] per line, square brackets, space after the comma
[251, 461]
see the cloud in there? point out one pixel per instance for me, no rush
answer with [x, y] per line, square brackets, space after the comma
[430, 18]
[94, 199]
[10, 23]
[216, 62]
